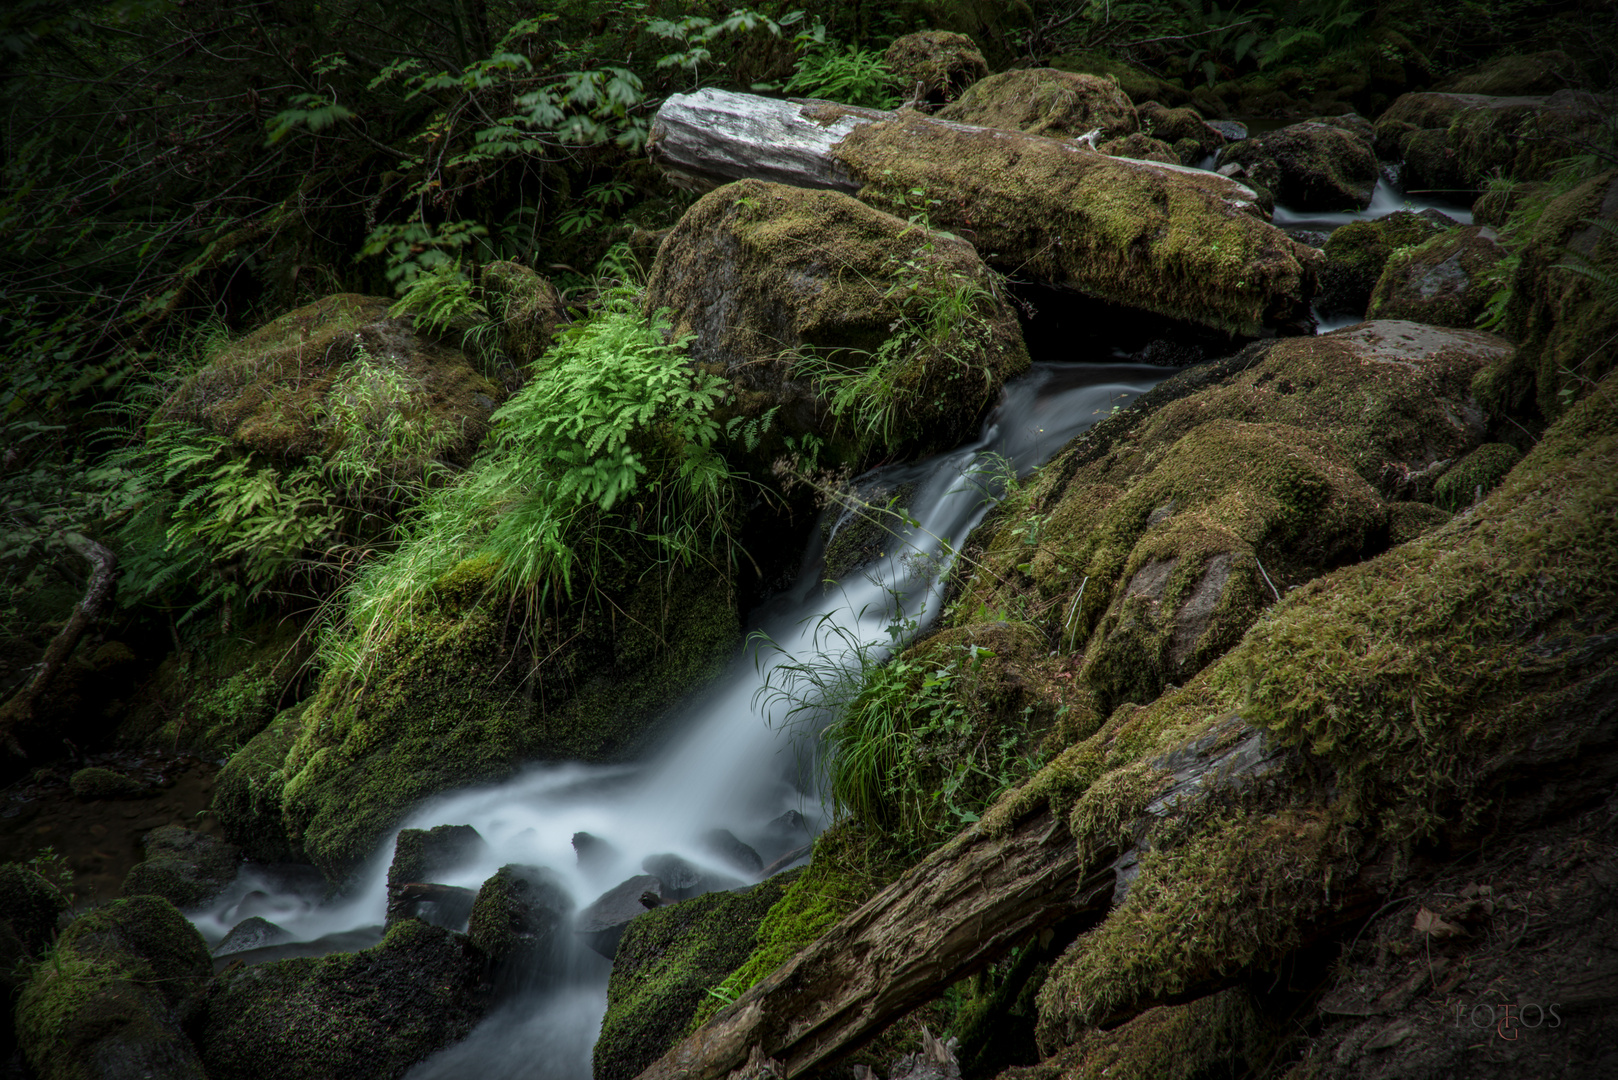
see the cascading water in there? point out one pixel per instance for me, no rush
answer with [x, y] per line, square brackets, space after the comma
[729, 768]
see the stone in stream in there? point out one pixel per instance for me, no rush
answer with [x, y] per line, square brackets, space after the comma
[517, 918]
[723, 844]
[1356, 254]
[592, 851]
[422, 854]
[250, 933]
[184, 867]
[1443, 282]
[1323, 164]
[601, 924]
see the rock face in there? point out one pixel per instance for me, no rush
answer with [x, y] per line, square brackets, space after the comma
[602, 923]
[1315, 165]
[944, 64]
[1044, 101]
[255, 932]
[792, 294]
[367, 1015]
[113, 1001]
[1357, 252]
[184, 867]
[666, 963]
[1443, 282]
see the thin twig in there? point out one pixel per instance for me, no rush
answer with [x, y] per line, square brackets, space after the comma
[1267, 580]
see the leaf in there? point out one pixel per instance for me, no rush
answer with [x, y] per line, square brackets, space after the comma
[1428, 922]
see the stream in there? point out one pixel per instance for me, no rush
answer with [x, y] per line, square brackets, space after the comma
[731, 764]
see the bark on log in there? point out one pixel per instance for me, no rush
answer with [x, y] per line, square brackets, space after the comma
[1178, 241]
[962, 908]
[18, 713]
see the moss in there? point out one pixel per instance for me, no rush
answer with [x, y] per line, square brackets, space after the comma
[1408, 520]
[29, 905]
[1220, 1034]
[1522, 138]
[943, 63]
[106, 1001]
[1478, 473]
[98, 783]
[184, 867]
[1442, 282]
[518, 916]
[423, 854]
[247, 793]
[460, 695]
[1530, 73]
[1316, 165]
[667, 962]
[1048, 102]
[267, 392]
[767, 277]
[1357, 252]
[861, 534]
[370, 1014]
[1149, 237]
[1176, 125]
[1141, 148]
[528, 306]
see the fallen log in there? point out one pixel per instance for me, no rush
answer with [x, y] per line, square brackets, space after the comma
[1181, 242]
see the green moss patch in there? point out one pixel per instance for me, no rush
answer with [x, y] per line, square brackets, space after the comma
[247, 792]
[944, 64]
[1475, 475]
[1045, 101]
[1446, 281]
[184, 867]
[1357, 252]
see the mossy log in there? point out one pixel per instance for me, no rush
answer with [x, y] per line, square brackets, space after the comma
[1181, 242]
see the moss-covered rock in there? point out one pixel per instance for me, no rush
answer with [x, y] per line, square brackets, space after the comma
[1475, 475]
[1141, 148]
[1446, 281]
[944, 64]
[667, 962]
[184, 867]
[1315, 165]
[1420, 683]
[1357, 252]
[459, 694]
[1045, 101]
[787, 290]
[247, 791]
[527, 307]
[29, 909]
[1184, 129]
[112, 1000]
[519, 917]
[1515, 75]
[1408, 520]
[368, 1015]
[96, 782]
[1178, 242]
[424, 854]
[276, 390]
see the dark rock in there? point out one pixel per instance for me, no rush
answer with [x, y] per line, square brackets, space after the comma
[98, 783]
[601, 924]
[448, 906]
[518, 916]
[184, 867]
[677, 875]
[1232, 130]
[367, 1016]
[114, 999]
[592, 851]
[1315, 165]
[251, 933]
[424, 854]
[1192, 136]
[945, 64]
[723, 844]
[1525, 73]
[1048, 102]
[1356, 254]
[1446, 281]
[666, 964]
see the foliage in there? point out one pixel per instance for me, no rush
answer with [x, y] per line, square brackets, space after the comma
[851, 75]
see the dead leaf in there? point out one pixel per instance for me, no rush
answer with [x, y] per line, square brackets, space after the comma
[1428, 922]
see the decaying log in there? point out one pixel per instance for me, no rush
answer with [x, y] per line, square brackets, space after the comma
[962, 908]
[18, 713]
[1181, 242]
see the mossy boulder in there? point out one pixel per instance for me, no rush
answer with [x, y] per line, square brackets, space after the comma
[1141, 148]
[247, 792]
[29, 910]
[461, 693]
[1315, 165]
[277, 391]
[1446, 281]
[1357, 252]
[368, 1015]
[1048, 102]
[1184, 129]
[1516, 75]
[1178, 242]
[424, 854]
[96, 782]
[520, 916]
[527, 307]
[785, 288]
[1475, 475]
[944, 64]
[1566, 323]
[113, 1000]
[185, 867]
[667, 961]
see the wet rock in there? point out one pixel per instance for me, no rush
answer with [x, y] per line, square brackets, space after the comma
[251, 933]
[1315, 165]
[1475, 475]
[433, 903]
[944, 64]
[529, 309]
[368, 1015]
[1141, 148]
[789, 859]
[1446, 281]
[518, 919]
[1356, 254]
[724, 845]
[678, 876]
[1044, 101]
[773, 280]
[591, 851]
[601, 924]
[115, 998]
[424, 854]
[666, 963]
[98, 783]
[248, 790]
[184, 867]
[1232, 130]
